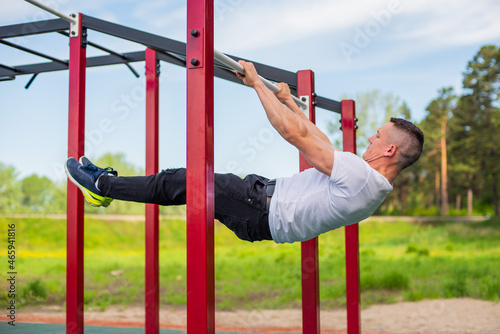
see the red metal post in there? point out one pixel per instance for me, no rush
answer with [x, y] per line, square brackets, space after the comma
[152, 282]
[200, 167]
[351, 231]
[74, 211]
[310, 264]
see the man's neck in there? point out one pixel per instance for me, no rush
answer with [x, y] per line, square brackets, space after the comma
[390, 172]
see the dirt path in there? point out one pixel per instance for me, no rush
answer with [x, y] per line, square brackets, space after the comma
[450, 316]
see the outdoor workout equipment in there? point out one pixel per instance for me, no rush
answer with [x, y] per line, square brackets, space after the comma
[197, 56]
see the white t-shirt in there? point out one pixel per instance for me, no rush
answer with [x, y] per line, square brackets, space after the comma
[310, 203]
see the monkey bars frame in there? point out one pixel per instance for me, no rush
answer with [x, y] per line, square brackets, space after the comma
[200, 151]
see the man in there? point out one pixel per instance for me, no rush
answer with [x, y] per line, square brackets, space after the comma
[341, 188]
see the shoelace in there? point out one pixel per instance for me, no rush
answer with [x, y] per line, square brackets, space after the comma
[111, 171]
[95, 169]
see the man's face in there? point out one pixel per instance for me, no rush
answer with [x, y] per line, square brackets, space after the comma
[378, 143]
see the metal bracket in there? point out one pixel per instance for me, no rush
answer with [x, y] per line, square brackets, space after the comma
[73, 19]
[74, 29]
[305, 99]
[195, 49]
[355, 123]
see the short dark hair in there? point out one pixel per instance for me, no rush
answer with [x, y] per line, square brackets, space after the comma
[412, 143]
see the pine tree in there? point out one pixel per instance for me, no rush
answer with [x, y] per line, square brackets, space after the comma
[482, 85]
[435, 126]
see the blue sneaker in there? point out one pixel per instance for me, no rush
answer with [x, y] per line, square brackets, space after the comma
[86, 162]
[85, 177]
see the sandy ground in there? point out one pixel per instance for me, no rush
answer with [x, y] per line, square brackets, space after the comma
[450, 316]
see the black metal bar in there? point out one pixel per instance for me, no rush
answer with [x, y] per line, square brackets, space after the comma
[226, 74]
[35, 68]
[168, 45]
[33, 28]
[31, 81]
[221, 73]
[171, 58]
[112, 60]
[171, 51]
[10, 69]
[150, 40]
[321, 102]
[91, 62]
[8, 78]
[328, 104]
[36, 53]
[102, 48]
[147, 39]
[116, 54]
[132, 69]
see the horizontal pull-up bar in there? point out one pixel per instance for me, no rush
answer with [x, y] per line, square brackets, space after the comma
[229, 62]
[73, 19]
[57, 13]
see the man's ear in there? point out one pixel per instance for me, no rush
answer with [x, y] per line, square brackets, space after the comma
[390, 151]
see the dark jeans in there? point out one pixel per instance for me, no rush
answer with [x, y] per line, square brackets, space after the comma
[240, 204]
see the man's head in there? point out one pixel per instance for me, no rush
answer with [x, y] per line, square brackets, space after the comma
[409, 139]
[399, 139]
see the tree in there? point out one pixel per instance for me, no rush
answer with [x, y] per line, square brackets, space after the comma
[482, 85]
[36, 192]
[435, 126]
[10, 193]
[465, 167]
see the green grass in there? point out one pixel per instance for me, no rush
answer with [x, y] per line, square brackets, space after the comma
[399, 261]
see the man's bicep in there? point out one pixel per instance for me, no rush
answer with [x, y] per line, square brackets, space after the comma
[313, 128]
[318, 153]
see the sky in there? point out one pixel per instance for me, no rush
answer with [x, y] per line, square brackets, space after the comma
[408, 48]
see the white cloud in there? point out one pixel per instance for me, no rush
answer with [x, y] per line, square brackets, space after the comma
[452, 23]
[298, 29]
[252, 26]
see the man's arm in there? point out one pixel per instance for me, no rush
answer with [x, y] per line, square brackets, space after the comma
[285, 97]
[293, 128]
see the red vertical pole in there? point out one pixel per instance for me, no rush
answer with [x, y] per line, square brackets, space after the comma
[351, 231]
[309, 249]
[74, 211]
[200, 167]
[152, 282]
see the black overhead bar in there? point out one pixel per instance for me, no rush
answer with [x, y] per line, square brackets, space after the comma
[12, 77]
[30, 81]
[328, 104]
[36, 53]
[10, 69]
[111, 52]
[91, 62]
[33, 28]
[168, 45]
[172, 58]
[133, 35]
[170, 51]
